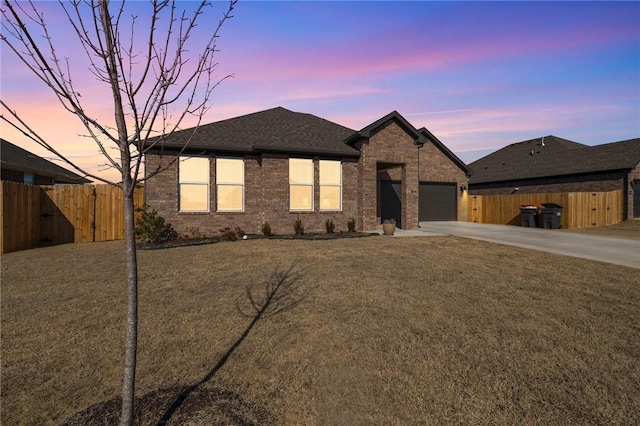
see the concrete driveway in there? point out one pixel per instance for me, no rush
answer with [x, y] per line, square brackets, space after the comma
[612, 250]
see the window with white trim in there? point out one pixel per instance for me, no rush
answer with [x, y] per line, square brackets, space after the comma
[230, 184]
[330, 185]
[300, 184]
[193, 178]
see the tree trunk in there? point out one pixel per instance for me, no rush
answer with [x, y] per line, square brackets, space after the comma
[131, 345]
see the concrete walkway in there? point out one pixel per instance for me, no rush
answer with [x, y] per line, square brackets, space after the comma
[611, 250]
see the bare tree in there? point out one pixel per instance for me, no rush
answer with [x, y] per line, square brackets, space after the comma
[157, 73]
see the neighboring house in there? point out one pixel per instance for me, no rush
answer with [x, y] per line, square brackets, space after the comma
[19, 165]
[552, 164]
[277, 166]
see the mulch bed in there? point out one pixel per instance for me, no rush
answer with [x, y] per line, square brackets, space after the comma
[204, 405]
[184, 242]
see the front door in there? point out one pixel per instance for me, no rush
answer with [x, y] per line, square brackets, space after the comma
[390, 201]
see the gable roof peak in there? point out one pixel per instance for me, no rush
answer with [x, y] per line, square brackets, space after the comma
[376, 126]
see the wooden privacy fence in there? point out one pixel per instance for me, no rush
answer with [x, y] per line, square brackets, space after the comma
[580, 209]
[35, 216]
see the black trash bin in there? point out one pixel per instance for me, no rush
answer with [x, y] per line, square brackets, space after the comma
[529, 215]
[551, 215]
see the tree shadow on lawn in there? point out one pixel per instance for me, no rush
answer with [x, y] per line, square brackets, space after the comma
[207, 404]
[281, 292]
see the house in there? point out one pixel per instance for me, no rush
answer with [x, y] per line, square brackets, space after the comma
[19, 165]
[551, 164]
[278, 166]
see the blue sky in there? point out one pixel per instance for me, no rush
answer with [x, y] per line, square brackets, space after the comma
[479, 75]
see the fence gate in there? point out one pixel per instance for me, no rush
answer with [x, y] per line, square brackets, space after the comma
[35, 216]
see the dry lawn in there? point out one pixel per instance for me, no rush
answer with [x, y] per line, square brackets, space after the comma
[629, 229]
[394, 331]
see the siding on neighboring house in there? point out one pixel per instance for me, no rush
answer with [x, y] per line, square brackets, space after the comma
[597, 182]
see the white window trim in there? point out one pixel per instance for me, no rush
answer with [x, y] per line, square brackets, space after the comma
[331, 185]
[312, 185]
[230, 184]
[180, 183]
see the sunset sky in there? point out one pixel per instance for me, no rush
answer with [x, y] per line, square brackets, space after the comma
[478, 75]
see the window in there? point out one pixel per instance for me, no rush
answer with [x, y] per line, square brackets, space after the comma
[300, 184]
[230, 184]
[194, 184]
[330, 185]
[29, 178]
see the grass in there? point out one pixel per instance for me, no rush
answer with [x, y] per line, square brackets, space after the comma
[389, 331]
[628, 229]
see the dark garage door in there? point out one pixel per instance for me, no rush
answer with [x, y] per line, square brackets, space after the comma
[438, 201]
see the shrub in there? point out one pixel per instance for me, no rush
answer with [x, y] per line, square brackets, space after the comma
[351, 225]
[297, 227]
[152, 228]
[391, 220]
[330, 226]
[266, 229]
[228, 234]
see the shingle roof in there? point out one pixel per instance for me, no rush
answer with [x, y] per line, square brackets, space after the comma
[273, 130]
[556, 157]
[393, 116]
[15, 158]
[421, 136]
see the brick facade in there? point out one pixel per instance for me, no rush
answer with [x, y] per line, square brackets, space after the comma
[391, 147]
[266, 194]
[435, 166]
[390, 152]
[395, 156]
